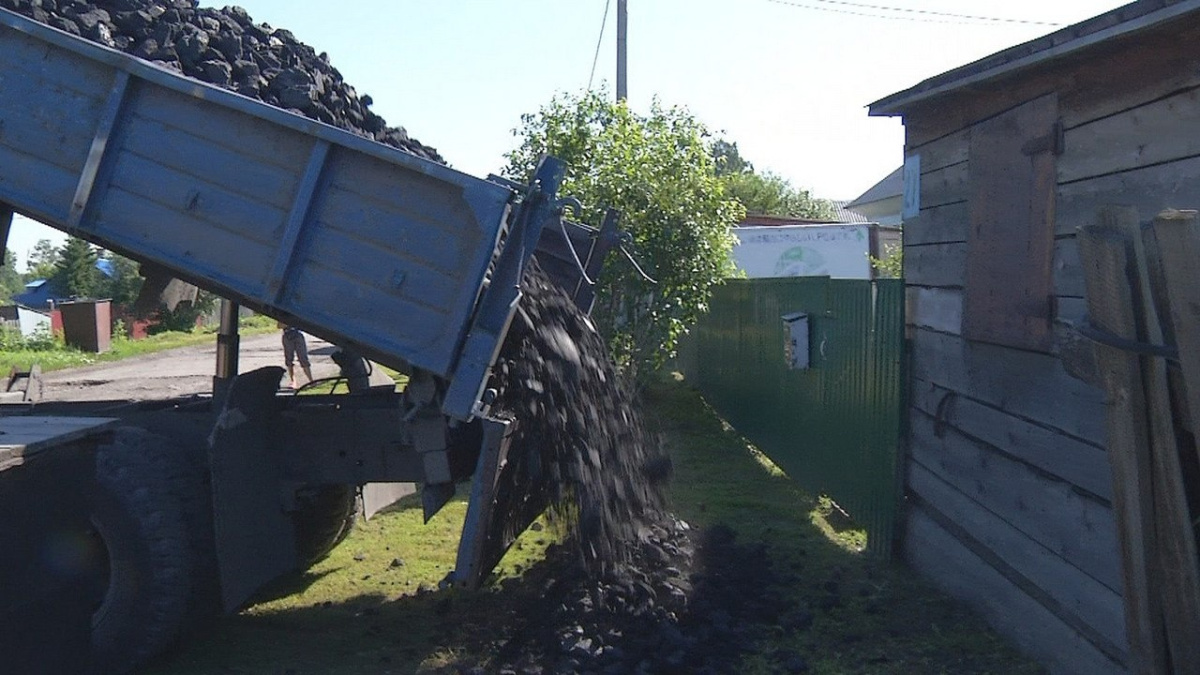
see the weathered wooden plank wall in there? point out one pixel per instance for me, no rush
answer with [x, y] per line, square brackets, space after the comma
[1008, 477]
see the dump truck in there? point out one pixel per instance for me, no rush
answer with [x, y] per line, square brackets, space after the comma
[122, 524]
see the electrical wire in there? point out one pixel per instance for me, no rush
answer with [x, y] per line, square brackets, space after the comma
[596, 58]
[924, 14]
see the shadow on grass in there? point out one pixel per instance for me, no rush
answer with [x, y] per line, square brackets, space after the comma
[291, 585]
[830, 610]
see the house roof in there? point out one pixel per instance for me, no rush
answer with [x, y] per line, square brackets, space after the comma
[891, 186]
[755, 220]
[1121, 22]
[844, 214]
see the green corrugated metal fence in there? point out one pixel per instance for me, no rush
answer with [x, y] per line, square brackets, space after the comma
[835, 427]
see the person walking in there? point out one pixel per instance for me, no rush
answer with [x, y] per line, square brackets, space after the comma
[295, 348]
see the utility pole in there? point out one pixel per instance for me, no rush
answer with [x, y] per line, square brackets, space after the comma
[622, 29]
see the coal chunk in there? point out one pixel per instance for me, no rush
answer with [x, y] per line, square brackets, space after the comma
[226, 48]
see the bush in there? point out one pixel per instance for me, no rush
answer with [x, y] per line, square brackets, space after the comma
[11, 339]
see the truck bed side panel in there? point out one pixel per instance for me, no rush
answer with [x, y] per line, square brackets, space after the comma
[363, 244]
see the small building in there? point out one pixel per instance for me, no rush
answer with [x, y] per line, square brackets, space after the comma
[882, 201]
[30, 322]
[1009, 489]
[40, 293]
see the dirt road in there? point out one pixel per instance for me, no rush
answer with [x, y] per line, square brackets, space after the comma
[175, 372]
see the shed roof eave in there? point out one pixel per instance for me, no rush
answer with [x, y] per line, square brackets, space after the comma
[896, 104]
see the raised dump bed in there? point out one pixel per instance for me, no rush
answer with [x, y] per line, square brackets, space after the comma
[363, 244]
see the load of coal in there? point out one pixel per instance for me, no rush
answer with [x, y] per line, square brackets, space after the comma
[580, 446]
[226, 48]
[631, 588]
[687, 601]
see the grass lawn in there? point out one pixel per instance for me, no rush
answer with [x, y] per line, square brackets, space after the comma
[372, 605]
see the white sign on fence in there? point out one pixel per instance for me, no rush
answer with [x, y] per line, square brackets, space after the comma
[838, 251]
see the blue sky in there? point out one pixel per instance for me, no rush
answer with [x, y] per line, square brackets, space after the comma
[788, 81]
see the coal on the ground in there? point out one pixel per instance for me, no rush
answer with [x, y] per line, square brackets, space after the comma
[226, 48]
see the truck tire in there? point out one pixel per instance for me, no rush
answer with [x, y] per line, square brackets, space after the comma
[146, 561]
[324, 517]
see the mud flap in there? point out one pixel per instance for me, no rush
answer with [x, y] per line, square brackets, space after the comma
[501, 507]
[255, 537]
[378, 496]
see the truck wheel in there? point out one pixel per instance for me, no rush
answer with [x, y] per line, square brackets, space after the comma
[145, 561]
[324, 518]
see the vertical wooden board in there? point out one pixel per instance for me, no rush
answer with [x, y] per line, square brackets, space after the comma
[1076, 528]
[1025, 384]
[1177, 533]
[956, 570]
[1011, 237]
[1177, 245]
[1105, 252]
[1080, 463]
[1079, 600]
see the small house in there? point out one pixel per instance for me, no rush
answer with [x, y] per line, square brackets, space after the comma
[30, 322]
[882, 201]
[1008, 484]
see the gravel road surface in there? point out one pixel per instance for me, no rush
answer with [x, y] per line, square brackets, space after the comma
[175, 372]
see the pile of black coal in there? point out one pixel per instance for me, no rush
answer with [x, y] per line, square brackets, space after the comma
[632, 589]
[580, 446]
[225, 47]
[685, 601]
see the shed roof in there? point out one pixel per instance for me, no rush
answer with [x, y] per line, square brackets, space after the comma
[1122, 21]
[892, 185]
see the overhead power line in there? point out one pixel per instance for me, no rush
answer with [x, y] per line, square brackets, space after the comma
[908, 13]
[596, 58]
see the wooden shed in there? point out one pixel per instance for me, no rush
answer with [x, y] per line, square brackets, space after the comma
[1009, 487]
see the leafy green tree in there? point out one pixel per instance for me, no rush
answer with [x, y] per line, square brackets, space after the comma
[658, 171]
[768, 194]
[76, 272]
[123, 286]
[42, 261]
[891, 265]
[10, 280]
[727, 160]
[765, 193]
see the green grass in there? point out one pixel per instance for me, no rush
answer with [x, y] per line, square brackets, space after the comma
[883, 619]
[360, 612]
[63, 356]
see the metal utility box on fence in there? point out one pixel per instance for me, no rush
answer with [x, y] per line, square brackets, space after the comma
[87, 324]
[795, 340]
